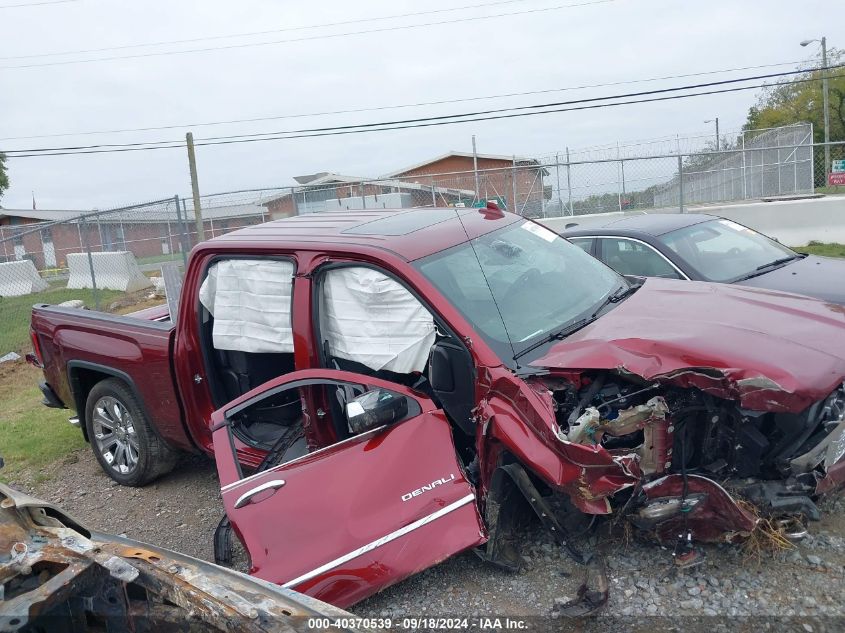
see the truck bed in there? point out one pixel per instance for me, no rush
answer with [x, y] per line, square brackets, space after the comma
[80, 347]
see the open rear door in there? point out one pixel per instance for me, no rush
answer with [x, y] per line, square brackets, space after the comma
[346, 521]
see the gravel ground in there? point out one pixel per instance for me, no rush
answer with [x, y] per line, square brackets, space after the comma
[806, 584]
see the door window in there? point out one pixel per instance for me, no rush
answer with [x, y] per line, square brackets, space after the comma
[585, 243]
[371, 319]
[628, 257]
[276, 421]
[246, 323]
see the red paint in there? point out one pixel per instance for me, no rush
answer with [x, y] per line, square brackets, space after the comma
[716, 518]
[834, 479]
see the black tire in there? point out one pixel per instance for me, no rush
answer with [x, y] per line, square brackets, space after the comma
[123, 441]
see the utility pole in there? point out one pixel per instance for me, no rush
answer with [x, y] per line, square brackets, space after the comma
[195, 186]
[825, 105]
[717, 134]
[826, 100]
[717, 130]
[475, 167]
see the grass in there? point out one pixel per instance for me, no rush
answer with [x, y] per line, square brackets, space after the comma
[157, 259]
[819, 248]
[15, 313]
[31, 435]
[833, 189]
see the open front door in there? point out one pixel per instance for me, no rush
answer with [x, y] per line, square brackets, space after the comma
[346, 521]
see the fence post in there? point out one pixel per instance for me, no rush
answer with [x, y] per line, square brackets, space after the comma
[181, 221]
[569, 182]
[619, 183]
[680, 184]
[557, 174]
[433, 194]
[540, 171]
[513, 183]
[744, 177]
[84, 232]
[475, 167]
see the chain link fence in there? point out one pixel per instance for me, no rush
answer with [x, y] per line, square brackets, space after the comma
[112, 259]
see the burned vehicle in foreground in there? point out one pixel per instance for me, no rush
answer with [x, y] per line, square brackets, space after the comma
[386, 389]
[56, 576]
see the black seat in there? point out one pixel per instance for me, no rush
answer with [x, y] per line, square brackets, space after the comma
[243, 371]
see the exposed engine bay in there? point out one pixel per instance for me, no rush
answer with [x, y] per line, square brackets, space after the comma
[692, 455]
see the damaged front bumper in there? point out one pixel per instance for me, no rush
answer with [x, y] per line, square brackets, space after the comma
[57, 576]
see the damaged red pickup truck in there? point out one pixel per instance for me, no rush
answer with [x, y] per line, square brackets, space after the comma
[394, 387]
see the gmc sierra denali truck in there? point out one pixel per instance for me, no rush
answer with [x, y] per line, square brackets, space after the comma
[381, 390]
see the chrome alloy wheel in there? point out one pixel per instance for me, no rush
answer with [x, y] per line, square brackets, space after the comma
[114, 435]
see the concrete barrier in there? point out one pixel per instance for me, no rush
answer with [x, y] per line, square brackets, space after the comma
[20, 278]
[792, 222]
[112, 271]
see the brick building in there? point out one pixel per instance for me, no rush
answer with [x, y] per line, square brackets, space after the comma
[47, 237]
[497, 177]
[328, 191]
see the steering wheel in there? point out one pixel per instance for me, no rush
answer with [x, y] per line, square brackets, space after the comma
[532, 275]
[734, 251]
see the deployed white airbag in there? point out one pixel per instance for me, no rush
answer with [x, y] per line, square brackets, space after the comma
[250, 300]
[369, 318]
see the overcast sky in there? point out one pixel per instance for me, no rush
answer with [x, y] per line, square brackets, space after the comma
[619, 40]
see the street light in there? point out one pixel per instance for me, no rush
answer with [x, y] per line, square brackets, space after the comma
[717, 130]
[826, 102]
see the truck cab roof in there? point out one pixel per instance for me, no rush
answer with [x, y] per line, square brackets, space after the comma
[408, 233]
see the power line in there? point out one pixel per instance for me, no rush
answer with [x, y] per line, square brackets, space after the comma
[460, 116]
[386, 126]
[429, 118]
[404, 27]
[256, 33]
[34, 4]
[508, 116]
[398, 106]
[529, 107]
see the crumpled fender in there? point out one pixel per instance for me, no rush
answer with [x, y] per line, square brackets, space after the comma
[522, 421]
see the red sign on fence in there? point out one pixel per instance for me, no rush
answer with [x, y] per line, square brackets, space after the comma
[836, 178]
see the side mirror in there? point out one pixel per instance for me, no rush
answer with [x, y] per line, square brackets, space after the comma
[375, 408]
[441, 374]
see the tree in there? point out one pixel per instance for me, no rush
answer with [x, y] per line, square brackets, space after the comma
[4, 177]
[787, 103]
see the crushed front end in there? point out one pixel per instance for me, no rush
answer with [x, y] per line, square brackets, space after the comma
[690, 464]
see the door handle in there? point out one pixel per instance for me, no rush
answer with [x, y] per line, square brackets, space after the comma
[246, 498]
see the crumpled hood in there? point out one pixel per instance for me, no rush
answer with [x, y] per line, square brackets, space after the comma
[772, 351]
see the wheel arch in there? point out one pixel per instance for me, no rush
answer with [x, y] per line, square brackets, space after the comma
[83, 375]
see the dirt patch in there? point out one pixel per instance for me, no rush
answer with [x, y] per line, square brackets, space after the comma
[179, 511]
[134, 302]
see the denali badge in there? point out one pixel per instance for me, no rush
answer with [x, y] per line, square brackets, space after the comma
[437, 482]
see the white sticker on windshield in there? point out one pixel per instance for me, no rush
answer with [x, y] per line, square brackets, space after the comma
[540, 231]
[734, 225]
